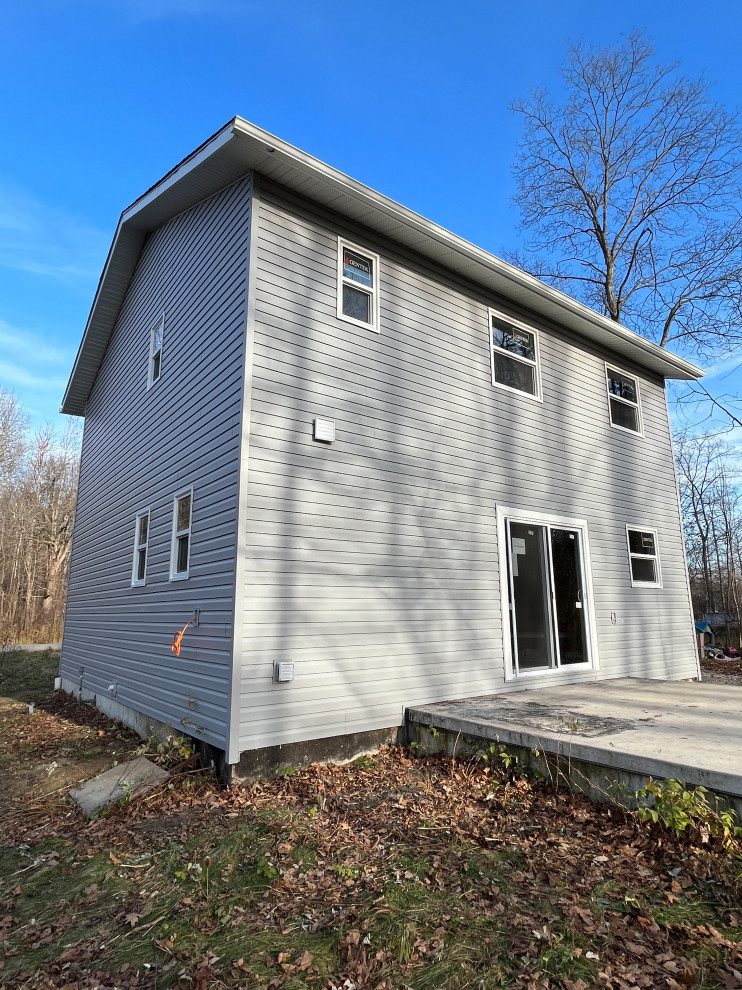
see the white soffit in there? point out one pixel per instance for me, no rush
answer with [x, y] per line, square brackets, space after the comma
[240, 147]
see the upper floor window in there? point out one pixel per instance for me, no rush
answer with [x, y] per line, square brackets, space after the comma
[156, 336]
[141, 542]
[515, 364]
[643, 557]
[623, 400]
[358, 286]
[180, 550]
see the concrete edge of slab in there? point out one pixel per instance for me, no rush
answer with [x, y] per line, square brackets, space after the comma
[570, 746]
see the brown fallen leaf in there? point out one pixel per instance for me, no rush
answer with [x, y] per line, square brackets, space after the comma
[304, 961]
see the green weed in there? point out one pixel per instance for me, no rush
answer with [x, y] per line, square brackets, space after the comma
[681, 808]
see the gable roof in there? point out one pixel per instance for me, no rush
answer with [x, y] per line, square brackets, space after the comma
[241, 146]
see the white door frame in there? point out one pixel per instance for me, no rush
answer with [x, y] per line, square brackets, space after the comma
[562, 522]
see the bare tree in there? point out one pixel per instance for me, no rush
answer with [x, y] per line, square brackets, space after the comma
[630, 190]
[38, 479]
[711, 504]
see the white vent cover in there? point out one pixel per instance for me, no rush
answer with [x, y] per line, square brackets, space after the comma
[324, 430]
[283, 671]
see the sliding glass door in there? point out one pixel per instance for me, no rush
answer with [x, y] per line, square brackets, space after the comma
[547, 601]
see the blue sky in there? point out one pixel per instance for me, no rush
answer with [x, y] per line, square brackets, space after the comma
[102, 97]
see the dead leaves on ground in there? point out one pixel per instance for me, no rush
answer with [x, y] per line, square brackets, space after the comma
[408, 866]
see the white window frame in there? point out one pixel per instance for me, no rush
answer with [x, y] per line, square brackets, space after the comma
[342, 280]
[177, 533]
[137, 582]
[538, 394]
[151, 380]
[505, 515]
[644, 556]
[627, 402]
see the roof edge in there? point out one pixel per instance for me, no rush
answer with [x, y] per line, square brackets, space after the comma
[142, 216]
[431, 229]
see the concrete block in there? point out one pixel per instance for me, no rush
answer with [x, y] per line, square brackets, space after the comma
[128, 779]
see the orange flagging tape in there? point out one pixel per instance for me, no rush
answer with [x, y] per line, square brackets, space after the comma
[178, 639]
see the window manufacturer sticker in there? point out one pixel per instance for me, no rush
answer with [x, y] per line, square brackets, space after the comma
[358, 268]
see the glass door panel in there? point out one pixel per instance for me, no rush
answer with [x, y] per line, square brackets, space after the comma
[569, 596]
[529, 597]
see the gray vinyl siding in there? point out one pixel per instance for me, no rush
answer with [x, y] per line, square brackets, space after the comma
[142, 446]
[373, 563]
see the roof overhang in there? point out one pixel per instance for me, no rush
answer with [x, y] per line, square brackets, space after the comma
[241, 146]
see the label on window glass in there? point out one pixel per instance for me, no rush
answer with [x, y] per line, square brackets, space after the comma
[513, 339]
[641, 542]
[358, 268]
[621, 385]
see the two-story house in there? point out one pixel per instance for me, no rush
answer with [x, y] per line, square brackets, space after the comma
[381, 466]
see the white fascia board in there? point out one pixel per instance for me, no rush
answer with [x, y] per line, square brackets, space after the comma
[188, 165]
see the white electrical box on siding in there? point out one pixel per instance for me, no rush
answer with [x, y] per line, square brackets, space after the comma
[324, 430]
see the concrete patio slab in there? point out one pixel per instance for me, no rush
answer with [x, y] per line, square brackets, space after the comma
[128, 779]
[636, 728]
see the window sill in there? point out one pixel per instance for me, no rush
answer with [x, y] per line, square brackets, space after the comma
[534, 397]
[358, 323]
[625, 429]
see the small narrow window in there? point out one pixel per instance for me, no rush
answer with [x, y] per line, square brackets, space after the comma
[514, 356]
[643, 557]
[358, 286]
[181, 547]
[155, 350]
[141, 542]
[623, 400]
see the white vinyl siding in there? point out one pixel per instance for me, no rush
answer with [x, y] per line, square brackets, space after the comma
[141, 541]
[372, 563]
[139, 450]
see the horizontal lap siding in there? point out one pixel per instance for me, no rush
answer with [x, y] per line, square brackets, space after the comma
[142, 446]
[373, 563]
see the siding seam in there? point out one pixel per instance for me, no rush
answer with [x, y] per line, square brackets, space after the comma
[682, 539]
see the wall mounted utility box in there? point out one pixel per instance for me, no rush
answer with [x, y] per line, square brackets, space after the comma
[283, 672]
[324, 430]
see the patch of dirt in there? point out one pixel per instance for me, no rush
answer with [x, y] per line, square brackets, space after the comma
[722, 671]
[58, 746]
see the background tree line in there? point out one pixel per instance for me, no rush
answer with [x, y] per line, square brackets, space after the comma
[711, 505]
[38, 481]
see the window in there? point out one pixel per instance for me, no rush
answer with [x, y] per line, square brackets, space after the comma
[643, 559]
[141, 542]
[155, 350]
[623, 400]
[358, 286]
[514, 356]
[180, 551]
